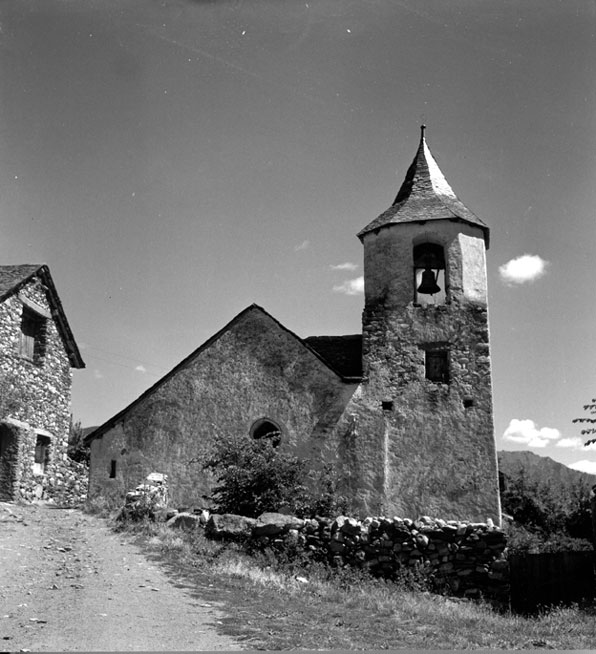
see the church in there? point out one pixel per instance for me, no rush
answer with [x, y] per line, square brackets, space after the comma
[403, 411]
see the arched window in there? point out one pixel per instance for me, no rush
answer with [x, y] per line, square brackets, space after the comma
[265, 428]
[429, 274]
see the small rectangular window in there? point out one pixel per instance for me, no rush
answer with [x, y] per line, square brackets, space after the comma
[112, 469]
[387, 405]
[32, 340]
[42, 445]
[437, 366]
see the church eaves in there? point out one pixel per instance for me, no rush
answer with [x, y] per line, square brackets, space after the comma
[425, 195]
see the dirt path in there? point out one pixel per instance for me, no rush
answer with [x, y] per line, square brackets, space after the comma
[68, 583]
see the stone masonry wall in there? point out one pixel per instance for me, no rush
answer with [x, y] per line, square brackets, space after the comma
[440, 455]
[44, 390]
[436, 437]
[464, 558]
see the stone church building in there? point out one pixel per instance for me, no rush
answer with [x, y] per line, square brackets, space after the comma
[37, 355]
[403, 411]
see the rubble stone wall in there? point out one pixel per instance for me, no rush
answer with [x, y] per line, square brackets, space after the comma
[436, 435]
[43, 388]
[465, 558]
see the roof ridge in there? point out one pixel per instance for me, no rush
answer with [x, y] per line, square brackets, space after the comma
[101, 429]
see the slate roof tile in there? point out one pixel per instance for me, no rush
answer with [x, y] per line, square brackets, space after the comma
[425, 195]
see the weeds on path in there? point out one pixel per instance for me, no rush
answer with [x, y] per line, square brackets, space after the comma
[279, 606]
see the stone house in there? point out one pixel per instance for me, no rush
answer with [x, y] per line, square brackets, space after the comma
[403, 411]
[37, 354]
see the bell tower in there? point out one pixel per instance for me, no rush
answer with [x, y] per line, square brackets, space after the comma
[426, 350]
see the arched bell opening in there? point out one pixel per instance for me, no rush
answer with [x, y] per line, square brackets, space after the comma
[430, 278]
[266, 429]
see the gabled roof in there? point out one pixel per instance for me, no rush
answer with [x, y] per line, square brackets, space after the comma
[14, 278]
[425, 195]
[344, 353]
[189, 359]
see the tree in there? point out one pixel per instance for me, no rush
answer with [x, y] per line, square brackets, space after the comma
[545, 514]
[588, 431]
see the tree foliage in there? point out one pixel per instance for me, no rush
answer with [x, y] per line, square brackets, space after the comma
[77, 449]
[547, 518]
[588, 420]
[254, 476]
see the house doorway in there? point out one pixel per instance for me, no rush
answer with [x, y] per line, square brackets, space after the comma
[9, 455]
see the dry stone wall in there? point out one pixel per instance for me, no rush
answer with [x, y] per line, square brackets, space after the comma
[464, 558]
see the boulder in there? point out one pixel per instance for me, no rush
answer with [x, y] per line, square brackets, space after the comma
[351, 526]
[271, 524]
[186, 521]
[204, 516]
[228, 525]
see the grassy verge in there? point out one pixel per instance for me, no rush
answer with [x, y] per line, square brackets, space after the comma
[278, 606]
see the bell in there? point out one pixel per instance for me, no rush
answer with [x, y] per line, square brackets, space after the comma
[428, 283]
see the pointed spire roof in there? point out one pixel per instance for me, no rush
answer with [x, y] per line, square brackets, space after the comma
[425, 195]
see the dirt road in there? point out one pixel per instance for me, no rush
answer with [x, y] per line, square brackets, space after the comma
[69, 583]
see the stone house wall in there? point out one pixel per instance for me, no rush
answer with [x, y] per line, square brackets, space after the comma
[43, 389]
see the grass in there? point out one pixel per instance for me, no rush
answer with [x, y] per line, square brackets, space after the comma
[275, 605]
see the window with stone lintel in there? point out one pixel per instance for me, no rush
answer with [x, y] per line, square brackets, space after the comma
[33, 331]
[436, 365]
[42, 450]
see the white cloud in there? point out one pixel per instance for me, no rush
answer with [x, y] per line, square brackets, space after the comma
[527, 268]
[584, 466]
[141, 368]
[351, 286]
[344, 266]
[574, 442]
[303, 246]
[525, 432]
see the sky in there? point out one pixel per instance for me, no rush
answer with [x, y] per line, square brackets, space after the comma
[174, 161]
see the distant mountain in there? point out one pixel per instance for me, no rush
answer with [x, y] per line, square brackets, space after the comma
[542, 469]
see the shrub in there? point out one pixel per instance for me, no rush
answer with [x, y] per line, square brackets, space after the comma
[254, 476]
[521, 540]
